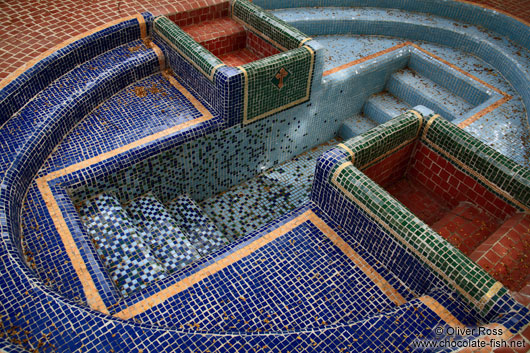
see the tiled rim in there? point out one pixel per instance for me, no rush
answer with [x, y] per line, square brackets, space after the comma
[413, 5]
[404, 130]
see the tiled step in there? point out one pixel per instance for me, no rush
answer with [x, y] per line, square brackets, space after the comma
[504, 254]
[421, 201]
[126, 256]
[238, 57]
[159, 231]
[219, 36]
[198, 227]
[419, 90]
[356, 125]
[383, 106]
[466, 226]
[80, 90]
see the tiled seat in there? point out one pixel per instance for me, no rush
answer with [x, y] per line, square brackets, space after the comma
[80, 90]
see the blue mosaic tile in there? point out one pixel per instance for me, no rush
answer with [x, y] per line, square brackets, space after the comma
[258, 201]
[199, 229]
[159, 231]
[125, 253]
[104, 92]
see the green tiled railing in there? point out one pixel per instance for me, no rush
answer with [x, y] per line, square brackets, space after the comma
[195, 53]
[274, 30]
[383, 139]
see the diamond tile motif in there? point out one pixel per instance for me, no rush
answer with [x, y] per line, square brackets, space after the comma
[280, 78]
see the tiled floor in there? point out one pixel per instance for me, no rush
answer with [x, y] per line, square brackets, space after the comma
[32, 27]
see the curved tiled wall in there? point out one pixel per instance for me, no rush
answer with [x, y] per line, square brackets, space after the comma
[70, 324]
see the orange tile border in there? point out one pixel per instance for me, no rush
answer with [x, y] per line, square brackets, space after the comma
[310, 216]
[441, 311]
[93, 298]
[11, 77]
[365, 58]
[505, 96]
[349, 150]
[368, 270]
[189, 281]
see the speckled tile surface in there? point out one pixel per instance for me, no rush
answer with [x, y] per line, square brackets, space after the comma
[258, 201]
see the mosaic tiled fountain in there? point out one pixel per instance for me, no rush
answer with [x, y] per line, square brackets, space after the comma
[338, 178]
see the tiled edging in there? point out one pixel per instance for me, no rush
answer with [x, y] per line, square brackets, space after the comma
[486, 16]
[497, 172]
[196, 54]
[275, 31]
[471, 281]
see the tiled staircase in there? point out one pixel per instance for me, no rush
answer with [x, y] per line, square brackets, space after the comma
[404, 89]
[504, 254]
[144, 241]
[416, 89]
[201, 231]
[466, 226]
[214, 29]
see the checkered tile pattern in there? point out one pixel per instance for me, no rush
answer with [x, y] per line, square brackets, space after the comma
[128, 259]
[199, 229]
[159, 230]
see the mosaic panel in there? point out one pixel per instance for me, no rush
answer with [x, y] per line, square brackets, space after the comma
[276, 83]
[257, 201]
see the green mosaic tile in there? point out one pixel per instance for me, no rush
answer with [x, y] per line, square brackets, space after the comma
[182, 42]
[270, 26]
[277, 82]
[440, 256]
[481, 158]
[383, 138]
